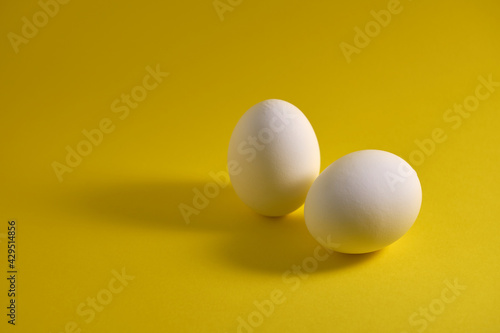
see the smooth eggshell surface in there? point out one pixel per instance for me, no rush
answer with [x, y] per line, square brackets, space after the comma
[363, 202]
[273, 157]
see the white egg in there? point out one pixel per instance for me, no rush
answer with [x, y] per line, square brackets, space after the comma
[273, 157]
[363, 202]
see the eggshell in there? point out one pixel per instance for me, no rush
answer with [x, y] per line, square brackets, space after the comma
[363, 202]
[273, 157]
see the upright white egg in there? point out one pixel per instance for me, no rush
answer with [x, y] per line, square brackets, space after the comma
[363, 202]
[273, 157]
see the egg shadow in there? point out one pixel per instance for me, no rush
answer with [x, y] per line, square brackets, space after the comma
[252, 242]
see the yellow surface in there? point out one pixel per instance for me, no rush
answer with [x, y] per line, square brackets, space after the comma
[119, 207]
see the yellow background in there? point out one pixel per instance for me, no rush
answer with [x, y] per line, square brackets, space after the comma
[119, 207]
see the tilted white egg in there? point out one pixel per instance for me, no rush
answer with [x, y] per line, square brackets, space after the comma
[363, 202]
[273, 157]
